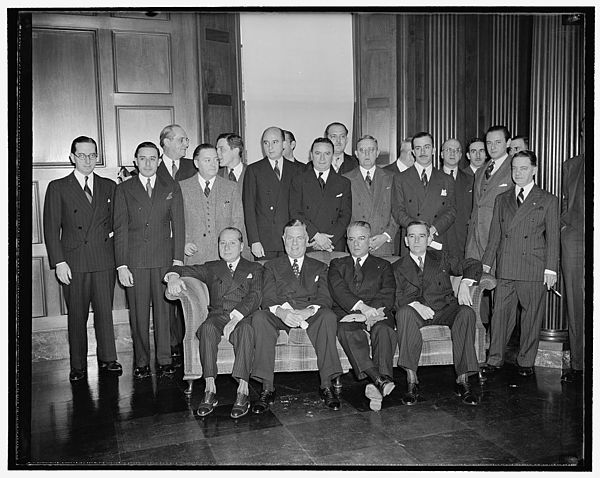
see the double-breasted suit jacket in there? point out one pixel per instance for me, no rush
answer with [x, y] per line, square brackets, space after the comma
[484, 196]
[266, 203]
[374, 205]
[376, 288]
[457, 232]
[434, 204]
[187, 169]
[326, 210]
[81, 234]
[206, 217]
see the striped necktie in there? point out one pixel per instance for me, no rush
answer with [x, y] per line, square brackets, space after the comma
[232, 176]
[149, 188]
[520, 198]
[277, 170]
[424, 178]
[321, 181]
[87, 190]
[207, 189]
[368, 179]
[174, 169]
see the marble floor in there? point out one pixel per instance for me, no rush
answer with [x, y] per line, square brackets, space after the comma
[120, 422]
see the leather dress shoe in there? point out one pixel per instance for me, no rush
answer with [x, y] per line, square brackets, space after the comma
[525, 371]
[337, 385]
[330, 398]
[384, 385]
[141, 372]
[265, 399]
[463, 390]
[176, 351]
[77, 374]
[375, 397]
[488, 370]
[241, 406]
[167, 369]
[412, 395]
[111, 367]
[572, 376]
[208, 404]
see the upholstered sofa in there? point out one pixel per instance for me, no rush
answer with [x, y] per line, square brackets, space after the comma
[294, 351]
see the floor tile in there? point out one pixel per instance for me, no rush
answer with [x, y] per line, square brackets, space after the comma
[196, 452]
[307, 407]
[378, 455]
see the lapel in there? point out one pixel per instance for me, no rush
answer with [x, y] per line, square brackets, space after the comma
[77, 193]
[409, 269]
[138, 191]
[240, 274]
[434, 185]
[499, 176]
[98, 198]
[414, 179]
[377, 184]
[430, 267]
[530, 203]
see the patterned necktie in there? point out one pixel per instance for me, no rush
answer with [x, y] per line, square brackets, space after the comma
[321, 181]
[421, 265]
[424, 179]
[232, 176]
[489, 169]
[277, 170]
[358, 275]
[207, 189]
[368, 179]
[296, 268]
[87, 190]
[520, 198]
[174, 169]
[231, 269]
[149, 188]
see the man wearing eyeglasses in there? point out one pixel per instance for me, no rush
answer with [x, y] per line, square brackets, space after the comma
[424, 193]
[463, 187]
[372, 197]
[174, 143]
[78, 229]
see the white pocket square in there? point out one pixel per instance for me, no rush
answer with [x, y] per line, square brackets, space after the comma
[170, 196]
[108, 199]
[249, 276]
[316, 278]
[443, 193]
[111, 234]
[503, 185]
[339, 195]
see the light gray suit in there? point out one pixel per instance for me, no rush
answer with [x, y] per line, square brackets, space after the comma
[206, 217]
[374, 205]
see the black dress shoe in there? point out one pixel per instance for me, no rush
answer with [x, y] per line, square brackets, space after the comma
[141, 372]
[412, 395]
[572, 376]
[463, 390]
[167, 369]
[525, 371]
[241, 406]
[77, 374]
[208, 404]
[384, 385]
[330, 398]
[337, 385]
[110, 367]
[266, 399]
[488, 370]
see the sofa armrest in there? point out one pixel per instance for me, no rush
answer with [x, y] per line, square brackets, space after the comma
[487, 282]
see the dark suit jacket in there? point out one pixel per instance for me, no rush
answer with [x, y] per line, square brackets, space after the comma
[434, 205]
[76, 231]
[433, 287]
[377, 288]
[392, 168]
[572, 218]
[240, 181]
[280, 284]
[242, 292]
[148, 232]
[350, 163]
[457, 232]
[265, 200]
[186, 169]
[524, 241]
[325, 210]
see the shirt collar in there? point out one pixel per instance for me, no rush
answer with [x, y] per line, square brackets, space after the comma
[237, 170]
[81, 179]
[144, 180]
[325, 174]
[473, 169]
[362, 259]
[526, 190]
[280, 162]
[400, 165]
[202, 181]
[420, 168]
[234, 264]
[300, 262]
[363, 171]
[498, 162]
[337, 162]
[453, 172]
[416, 258]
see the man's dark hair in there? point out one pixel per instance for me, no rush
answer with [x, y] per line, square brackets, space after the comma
[233, 140]
[82, 139]
[234, 229]
[335, 124]
[364, 224]
[524, 138]
[290, 134]
[527, 154]
[202, 146]
[321, 140]
[146, 144]
[418, 223]
[495, 128]
[474, 140]
[292, 223]
[421, 134]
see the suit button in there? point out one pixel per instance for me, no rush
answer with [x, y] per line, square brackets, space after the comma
[506, 236]
[418, 214]
[271, 208]
[204, 235]
[525, 237]
[85, 242]
[79, 227]
[147, 224]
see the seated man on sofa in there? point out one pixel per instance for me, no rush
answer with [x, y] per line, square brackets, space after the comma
[424, 296]
[362, 287]
[234, 285]
[295, 294]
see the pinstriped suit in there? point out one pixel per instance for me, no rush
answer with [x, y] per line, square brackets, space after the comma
[241, 292]
[377, 289]
[79, 233]
[432, 287]
[374, 205]
[457, 233]
[522, 243]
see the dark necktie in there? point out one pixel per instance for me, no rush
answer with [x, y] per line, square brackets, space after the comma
[489, 169]
[232, 176]
[87, 190]
[207, 189]
[358, 275]
[520, 198]
[421, 265]
[368, 179]
[321, 181]
[231, 269]
[296, 268]
[277, 170]
[149, 188]
[424, 179]
[174, 169]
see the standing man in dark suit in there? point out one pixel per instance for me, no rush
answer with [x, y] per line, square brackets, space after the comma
[230, 147]
[476, 155]
[361, 284]
[423, 193]
[149, 239]
[424, 296]
[322, 199]
[463, 189]
[290, 146]
[523, 244]
[341, 162]
[295, 294]
[572, 236]
[174, 143]
[518, 143]
[266, 195]
[78, 231]
[234, 286]
[405, 158]
[372, 189]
